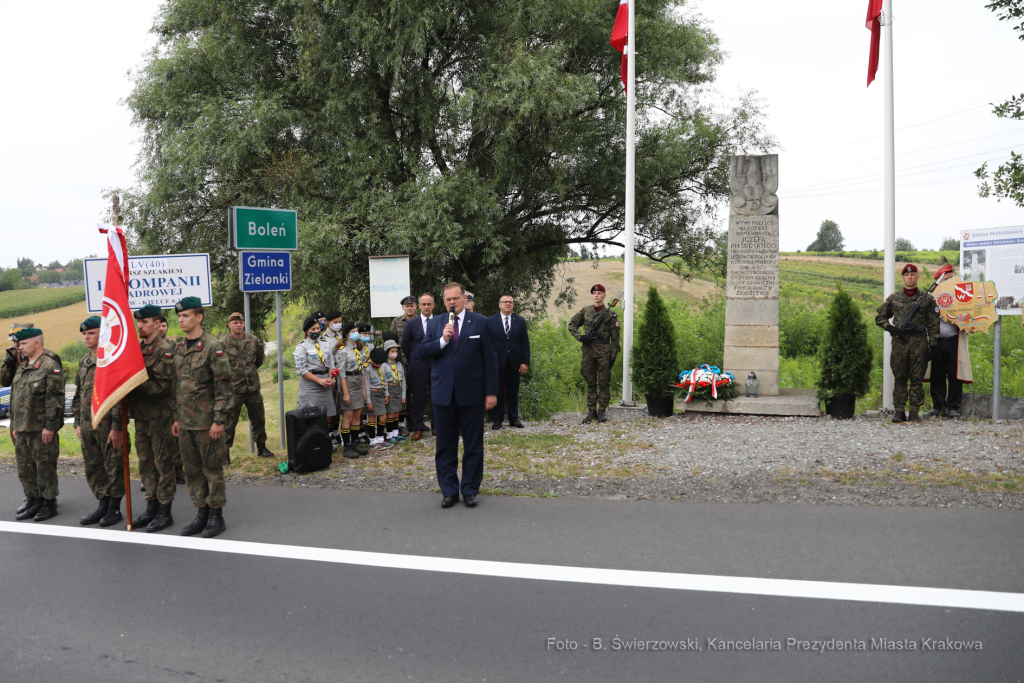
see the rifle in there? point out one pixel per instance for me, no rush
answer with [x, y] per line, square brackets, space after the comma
[592, 336]
[900, 331]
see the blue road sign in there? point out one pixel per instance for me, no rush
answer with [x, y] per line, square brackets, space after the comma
[265, 271]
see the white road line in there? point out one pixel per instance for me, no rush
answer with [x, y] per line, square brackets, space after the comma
[821, 590]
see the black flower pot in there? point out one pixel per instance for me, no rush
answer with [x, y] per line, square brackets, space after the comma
[841, 406]
[660, 406]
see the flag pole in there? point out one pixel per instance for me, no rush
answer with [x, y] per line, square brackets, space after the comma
[890, 197]
[126, 444]
[627, 275]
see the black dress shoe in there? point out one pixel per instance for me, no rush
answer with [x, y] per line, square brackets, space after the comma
[496, 426]
[470, 500]
[449, 501]
[517, 424]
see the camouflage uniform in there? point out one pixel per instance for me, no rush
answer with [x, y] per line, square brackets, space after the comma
[37, 403]
[153, 406]
[246, 355]
[104, 464]
[598, 358]
[204, 396]
[909, 359]
[398, 326]
[10, 366]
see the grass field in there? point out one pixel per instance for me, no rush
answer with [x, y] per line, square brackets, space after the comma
[23, 302]
[59, 325]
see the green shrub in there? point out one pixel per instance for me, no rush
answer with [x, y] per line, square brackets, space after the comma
[73, 351]
[655, 367]
[844, 355]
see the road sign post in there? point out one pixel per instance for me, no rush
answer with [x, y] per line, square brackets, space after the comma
[265, 238]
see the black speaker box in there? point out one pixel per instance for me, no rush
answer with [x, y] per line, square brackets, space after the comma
[309, 446]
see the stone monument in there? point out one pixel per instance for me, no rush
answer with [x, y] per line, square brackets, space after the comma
[752, 277]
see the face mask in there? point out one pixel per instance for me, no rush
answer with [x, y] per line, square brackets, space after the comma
[393, 355]
[366, 340]
[336, 327]
[354, 336]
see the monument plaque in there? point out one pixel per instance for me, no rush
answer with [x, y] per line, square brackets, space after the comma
[752, 276]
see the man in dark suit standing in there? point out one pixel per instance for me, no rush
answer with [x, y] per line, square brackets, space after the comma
[512, 347]
[418, 369]
[463, 384]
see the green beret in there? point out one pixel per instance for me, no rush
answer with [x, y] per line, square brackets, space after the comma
[28, 333]
[90, 323]
[188, 303]
[148, 311]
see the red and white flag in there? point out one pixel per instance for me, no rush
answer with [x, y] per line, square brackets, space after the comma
[619, 37]
[875, 26]
[119, 364]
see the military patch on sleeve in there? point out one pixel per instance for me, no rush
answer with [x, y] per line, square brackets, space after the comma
[56, 372]
[168, 354]
[219, 352]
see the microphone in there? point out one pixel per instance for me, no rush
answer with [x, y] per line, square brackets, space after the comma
[451, 315]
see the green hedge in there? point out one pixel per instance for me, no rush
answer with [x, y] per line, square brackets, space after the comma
[934, 257]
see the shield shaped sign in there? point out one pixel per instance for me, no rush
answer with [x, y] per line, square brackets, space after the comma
[964, 292]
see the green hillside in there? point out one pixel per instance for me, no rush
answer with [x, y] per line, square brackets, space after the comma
[19, 302]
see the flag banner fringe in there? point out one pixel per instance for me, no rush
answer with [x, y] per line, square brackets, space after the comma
[138, 379]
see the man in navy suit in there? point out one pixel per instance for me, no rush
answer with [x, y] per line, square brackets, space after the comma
[463, 384]
[512, 347]
[418, 370]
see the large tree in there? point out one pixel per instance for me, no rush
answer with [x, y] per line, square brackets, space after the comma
[1007, 181]
[829, 237]
[485, 139]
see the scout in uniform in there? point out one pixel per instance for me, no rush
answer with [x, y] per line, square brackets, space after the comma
[395, 375]
[204, 397]
[314, 364]
[600, 341]
[911, 353]
[101, 447]
[245, 352]
[153, 405]
[376, 382]
[350, 360]
[37, 414]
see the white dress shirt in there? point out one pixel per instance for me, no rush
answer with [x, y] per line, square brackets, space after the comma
[424, 319]
[461, 317]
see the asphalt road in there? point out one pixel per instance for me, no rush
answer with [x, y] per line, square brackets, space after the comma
[84, 609]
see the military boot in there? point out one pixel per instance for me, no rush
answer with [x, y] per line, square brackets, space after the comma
[197, 524]
[602, 416]
[179, 475]
[591, 416]
[48, 510]
[113, 515]
[162, 520]
[899, 416]
[216, 523]
[96, 515]
[914, 417]
[34, 505]
[264, 452]
[25, 505]
[152, 505]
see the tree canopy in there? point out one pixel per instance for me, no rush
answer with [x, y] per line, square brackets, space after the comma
[483, 139]
[904, 244]
[1007, 181]
[829, 237]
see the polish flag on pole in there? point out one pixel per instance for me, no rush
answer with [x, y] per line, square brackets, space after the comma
[119, 364]
[619, 34]
[875, 26]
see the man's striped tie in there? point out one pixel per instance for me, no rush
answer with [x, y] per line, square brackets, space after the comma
[506, 327]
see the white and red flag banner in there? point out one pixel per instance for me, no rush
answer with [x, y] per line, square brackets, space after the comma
[874, 24]
[119, 364]
[619, 37]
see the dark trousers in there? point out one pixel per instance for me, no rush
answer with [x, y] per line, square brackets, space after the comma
[944, 375]
[416, 400]
[449, 421]
[508, 390]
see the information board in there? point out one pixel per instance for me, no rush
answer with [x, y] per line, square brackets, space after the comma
[159, 280]
[996, 255]
[389, 284]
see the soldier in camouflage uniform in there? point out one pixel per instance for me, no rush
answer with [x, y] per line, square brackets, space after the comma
[910, 354]
[13, 357]
[179, 471]
[204, 396]
[101, 446]
[398, 327]
[599, 354]
[37, 414]
[246, 354]
[153, 405]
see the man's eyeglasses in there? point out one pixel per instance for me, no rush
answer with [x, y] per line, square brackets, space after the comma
[452, 300]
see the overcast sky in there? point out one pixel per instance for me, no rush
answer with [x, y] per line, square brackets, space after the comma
[68, 137]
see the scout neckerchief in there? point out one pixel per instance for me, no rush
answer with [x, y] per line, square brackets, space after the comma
[360, 361]
[380, 371]
[319, 353]
[395, 373]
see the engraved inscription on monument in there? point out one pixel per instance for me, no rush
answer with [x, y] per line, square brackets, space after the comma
[753, 267]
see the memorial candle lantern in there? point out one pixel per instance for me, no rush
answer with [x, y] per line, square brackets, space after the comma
[752, 385]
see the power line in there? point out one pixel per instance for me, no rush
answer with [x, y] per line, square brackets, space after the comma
[916, 151]
[878, 189]
[915, 125]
